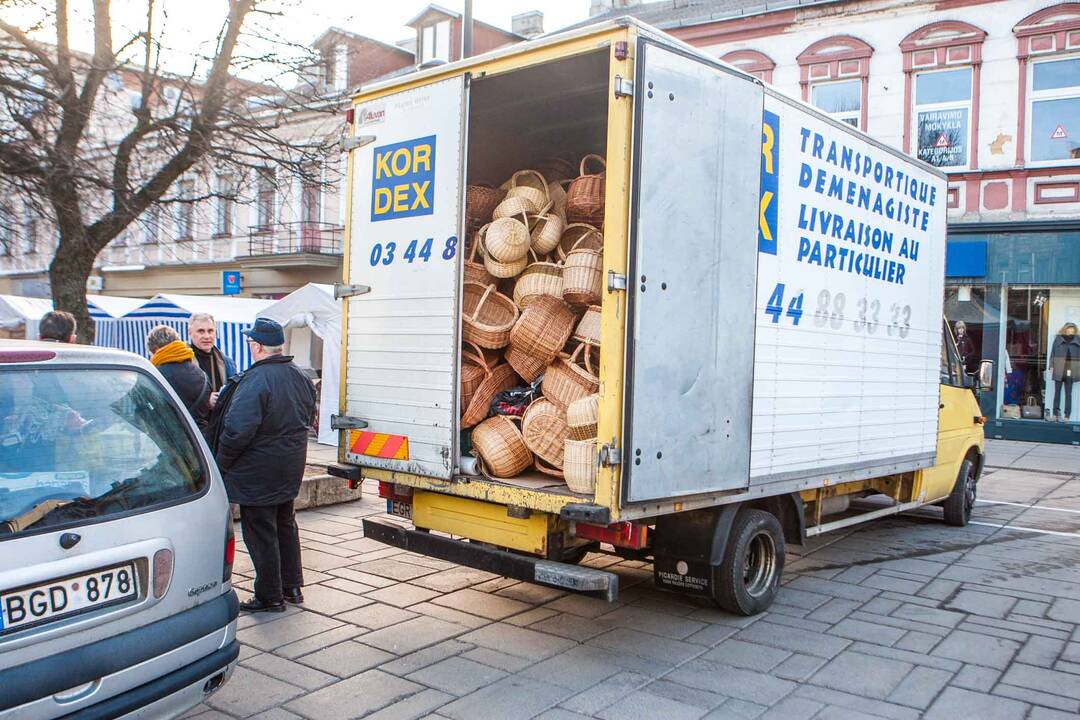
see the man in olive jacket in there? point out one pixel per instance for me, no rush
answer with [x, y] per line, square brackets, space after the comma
[259, 434]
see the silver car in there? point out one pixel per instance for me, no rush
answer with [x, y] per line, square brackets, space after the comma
[116, 545]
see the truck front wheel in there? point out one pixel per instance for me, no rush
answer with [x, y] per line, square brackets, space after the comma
[961, 500]
[748, 577]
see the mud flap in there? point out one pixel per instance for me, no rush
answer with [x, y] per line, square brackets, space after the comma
[689, 546]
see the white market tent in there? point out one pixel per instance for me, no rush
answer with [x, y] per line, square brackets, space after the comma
[232, 315]
[312, 321]
[24, 313]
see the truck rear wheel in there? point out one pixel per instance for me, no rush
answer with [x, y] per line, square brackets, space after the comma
[748, 577]
[961, 500]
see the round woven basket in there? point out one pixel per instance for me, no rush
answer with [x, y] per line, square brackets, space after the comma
[480, 202]
[583, 273]
[495, 268]
[507, 240]
[500, 378]
[473, 371]
[473, 271]
[588, 328]
[545, 431]
[579, 466]
[585, 196]
[513, 206]
[546, 230]
[487, 316]
[539, 279]
[577, 235]
[529, 185]
[565, 381]
[538, 336]
[556, 168]
[581, 417]
[499, 443]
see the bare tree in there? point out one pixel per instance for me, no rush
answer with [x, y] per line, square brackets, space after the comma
[93, 167]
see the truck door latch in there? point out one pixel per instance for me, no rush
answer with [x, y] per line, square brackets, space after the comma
[610, 455]
[344, 422]
[615, 281]
[341, 290]
[623, 87]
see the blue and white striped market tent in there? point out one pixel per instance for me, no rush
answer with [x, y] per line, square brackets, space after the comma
[232, 315]
[25, 313]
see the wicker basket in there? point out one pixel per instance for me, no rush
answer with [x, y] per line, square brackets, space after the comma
[557, 168]
[585, 196]
[513, 206]
[474, 369]
[480, 202]
[538, 336]
[545, 431]
[588, 328]
[583, 274]
[579, 235]
[579, 466]
[565, 381]
[499, 443]
[507, 240]
[501, 378]
[487, 316]
[539, 279]
[473, 271]
[529, 185]
[494, 268]
[546, 229]
[581, 417]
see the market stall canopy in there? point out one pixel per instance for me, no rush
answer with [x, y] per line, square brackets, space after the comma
[26, 312]
[313, 308]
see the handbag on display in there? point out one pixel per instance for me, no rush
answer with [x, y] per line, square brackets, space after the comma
[1031, 409]
[1011, 412]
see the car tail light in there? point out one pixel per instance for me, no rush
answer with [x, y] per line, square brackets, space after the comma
[21, 356]
[230, 551]
[621, 534]
[163, 567]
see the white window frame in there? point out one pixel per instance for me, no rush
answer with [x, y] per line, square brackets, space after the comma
[267, 175]
[224, 206]
[916, 108]
[433, 38]
[1034, 96]
[185, 212]
[151, 225]
[846, 115]
[341, 66]
[29, 231]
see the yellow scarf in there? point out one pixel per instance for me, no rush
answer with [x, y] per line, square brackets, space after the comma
[176, 351]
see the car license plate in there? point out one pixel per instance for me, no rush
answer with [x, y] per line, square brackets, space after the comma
[399, 508]
[56, 599]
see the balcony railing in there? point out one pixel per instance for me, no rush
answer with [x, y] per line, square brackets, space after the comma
[296, 237]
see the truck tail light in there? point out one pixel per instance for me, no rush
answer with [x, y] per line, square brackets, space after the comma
[390, 491]
[621, 534]
[163, 567]
[350, 114]
[230, 551]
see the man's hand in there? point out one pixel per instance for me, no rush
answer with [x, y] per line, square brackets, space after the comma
[213, 399]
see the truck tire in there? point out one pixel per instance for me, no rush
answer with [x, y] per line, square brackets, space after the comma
[961, 500]
[748, 577]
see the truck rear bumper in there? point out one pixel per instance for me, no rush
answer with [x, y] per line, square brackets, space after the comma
[500, 562]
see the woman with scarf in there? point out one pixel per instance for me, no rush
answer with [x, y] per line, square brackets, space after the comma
[175, 360]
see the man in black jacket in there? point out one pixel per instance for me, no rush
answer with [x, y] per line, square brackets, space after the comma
[259, 435]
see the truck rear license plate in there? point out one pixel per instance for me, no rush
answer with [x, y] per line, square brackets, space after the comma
[399, 508]
[56, 599]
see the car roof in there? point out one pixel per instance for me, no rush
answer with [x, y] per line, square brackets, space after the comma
[64, 353]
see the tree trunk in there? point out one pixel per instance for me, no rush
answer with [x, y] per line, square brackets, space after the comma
[68, 271]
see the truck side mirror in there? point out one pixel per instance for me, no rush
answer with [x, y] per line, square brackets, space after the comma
[986, 375]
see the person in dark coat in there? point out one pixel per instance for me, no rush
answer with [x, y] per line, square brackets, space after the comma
[175, 360]
[1064, 368]
[259, 434]
[219, 367]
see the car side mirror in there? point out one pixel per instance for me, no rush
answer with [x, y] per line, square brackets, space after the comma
[986, 376]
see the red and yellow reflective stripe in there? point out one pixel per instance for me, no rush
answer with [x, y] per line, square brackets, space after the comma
[381, 445]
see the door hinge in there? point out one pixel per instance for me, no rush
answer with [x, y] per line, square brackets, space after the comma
[341, 290]
[615, 281]
[623, 87]
[610, 455]
[352, 142]
[344, 422]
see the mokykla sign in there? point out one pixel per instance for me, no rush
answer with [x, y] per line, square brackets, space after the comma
[403, 179]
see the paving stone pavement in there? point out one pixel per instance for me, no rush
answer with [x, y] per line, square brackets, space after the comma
[899, 618]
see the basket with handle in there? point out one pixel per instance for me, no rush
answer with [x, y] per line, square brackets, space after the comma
[501, 446]
[588, 328]
[499, 378]
[581, 417]
[473, 271]
[495, 268]
[544, 429]
[583, 275]
[480, 202]
[487, 316]
[579, 466]
[507, 239]
[565, 381]
[585, 196]
[556, 168]
[540, 278]
[530, 186]
[474, 369]
[538, 336]
[545, 229]
[577, 235]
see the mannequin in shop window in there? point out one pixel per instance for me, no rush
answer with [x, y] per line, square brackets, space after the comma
[1064, 368]
[965, 346]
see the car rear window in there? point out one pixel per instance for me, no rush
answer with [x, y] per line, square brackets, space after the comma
[82, 445]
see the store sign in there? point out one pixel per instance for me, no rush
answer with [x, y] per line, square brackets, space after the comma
[943, 137]
[403, 179]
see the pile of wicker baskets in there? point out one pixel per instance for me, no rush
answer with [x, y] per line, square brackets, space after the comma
[531, 315]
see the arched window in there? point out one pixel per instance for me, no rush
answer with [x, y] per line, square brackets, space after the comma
[751, 61]
[1048, 52]
[833, 75]
[942, 63]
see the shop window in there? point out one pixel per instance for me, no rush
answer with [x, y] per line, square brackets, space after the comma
[842, 100]
[967, 315]
[942, 116]
[1054, 109]
[757, 64]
